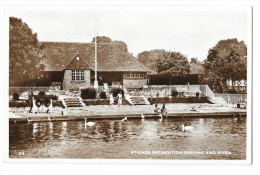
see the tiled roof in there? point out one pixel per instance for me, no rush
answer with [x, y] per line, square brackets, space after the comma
[111, 58]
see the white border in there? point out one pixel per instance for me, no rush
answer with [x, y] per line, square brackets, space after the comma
[230, 169]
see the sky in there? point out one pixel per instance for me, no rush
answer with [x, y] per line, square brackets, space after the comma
[191, 31]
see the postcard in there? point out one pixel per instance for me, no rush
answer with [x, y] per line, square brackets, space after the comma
[119, 83]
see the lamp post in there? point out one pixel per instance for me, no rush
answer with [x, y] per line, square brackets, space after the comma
[96, 82]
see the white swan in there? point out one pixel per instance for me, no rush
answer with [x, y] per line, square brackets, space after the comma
[124, 119]
[186, 128]
[89, 123]
[161, 117]
[142, 117]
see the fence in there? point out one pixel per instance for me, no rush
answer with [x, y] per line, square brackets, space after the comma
[229, 89]
[233, 98]
[149, 90]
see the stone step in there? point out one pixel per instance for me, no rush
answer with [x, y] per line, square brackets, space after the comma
[138, 100]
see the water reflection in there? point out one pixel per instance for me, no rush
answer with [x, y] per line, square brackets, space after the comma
[115, 139]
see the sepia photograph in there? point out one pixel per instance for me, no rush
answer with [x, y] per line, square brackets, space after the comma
[130, 82]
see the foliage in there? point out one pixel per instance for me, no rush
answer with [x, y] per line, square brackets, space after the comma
[103, 95]
[173, 63]
[231, 91]
[194, 61]
[25, 52]
[149, 58]
[174, 92]
[28, 103]
[15, 96]
[116, 91]
[168, 79]
[42, 93]
[88, 93]
[226, 61]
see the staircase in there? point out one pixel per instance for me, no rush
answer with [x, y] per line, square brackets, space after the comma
[73, 102]
[137, 100]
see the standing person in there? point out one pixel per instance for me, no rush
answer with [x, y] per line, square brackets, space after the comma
[164, 111]
[111, 99]
[188, 86]
[119, 99]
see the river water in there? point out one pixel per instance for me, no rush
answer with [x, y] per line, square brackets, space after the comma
[211, 138]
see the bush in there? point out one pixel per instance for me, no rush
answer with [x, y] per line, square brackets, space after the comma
[55, 97]
[174, 92]
[42, 93]
[88, 93]
[15, 96]
[103, 95]
[116, 91]
[232, 91]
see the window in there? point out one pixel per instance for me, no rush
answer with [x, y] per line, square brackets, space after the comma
[134, 75]
[78, 75]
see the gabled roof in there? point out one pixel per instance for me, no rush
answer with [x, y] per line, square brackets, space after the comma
[77, 63]
[110, 58]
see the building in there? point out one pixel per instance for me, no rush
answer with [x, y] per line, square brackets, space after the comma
[70, 66]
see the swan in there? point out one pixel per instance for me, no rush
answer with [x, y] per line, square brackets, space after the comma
[142, 117]
[89, 123]
[161, 117]
[124, 119]
[186, 128]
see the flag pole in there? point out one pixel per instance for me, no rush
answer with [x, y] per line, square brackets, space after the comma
[96, 81]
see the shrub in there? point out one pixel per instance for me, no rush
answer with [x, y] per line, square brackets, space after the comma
[55, 97]
[174, 92]
[116, 91]
[42, 93]
[15, 96]
[88, 93]
[232, 91]
[103, 95]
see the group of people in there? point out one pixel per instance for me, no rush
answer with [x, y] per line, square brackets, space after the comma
[162, 111]
[111, 99]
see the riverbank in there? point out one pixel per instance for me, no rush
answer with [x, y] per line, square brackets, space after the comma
[115, 112]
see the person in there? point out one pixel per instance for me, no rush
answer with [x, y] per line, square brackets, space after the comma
[119, 98]
[164, 110]
[188, 86]
[156, 109]
[111, 99]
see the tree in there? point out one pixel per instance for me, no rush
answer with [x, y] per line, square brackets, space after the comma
[194, 61]
[25, 52]
[173, 63]
[149, 58]
[226, 61]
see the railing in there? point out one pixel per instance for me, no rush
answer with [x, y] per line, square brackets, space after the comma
[229, 89]
[147, 91]
[233, 98]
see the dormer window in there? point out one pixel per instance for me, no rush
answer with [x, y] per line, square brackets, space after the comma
[78, 75]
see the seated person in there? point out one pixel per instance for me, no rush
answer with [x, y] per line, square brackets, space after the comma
[164, 110]
[156, 109]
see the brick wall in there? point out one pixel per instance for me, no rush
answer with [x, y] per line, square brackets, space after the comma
[68, 84]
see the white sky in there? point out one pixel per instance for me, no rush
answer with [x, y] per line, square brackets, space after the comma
[190, 30]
